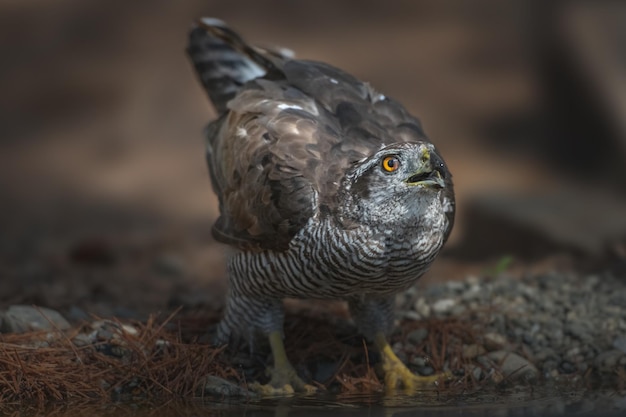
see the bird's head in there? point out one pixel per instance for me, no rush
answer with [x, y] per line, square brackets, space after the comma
[401, 182]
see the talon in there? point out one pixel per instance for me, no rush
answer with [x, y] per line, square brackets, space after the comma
[284, 379]
[268, 390]
[396, 372]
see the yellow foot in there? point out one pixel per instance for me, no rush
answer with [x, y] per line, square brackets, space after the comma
[285, 381]
[396, 373]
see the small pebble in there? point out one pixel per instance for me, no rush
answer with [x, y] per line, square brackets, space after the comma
[426, 370]
[222, 388]
[567, 367]
[422, 307]
[24, 318]
[471, 351]
[444, 305]
[620, 343]
[494, 341]
[417, 336]
[419, 361]
[607, 361]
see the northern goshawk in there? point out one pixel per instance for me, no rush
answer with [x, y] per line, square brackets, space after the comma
[327, 189]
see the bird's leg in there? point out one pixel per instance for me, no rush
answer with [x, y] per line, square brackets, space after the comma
[284, 379]
[247, 317]
[374, 318]
[395, 371]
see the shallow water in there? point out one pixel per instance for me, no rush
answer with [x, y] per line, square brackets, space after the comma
[519, 403]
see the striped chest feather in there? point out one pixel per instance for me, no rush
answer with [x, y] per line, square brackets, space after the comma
[325, 261]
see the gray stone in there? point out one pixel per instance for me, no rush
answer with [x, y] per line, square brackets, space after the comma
[458, 310]
[456, 286]
[607, 361]
[494, 341]
[418, 361]
[620, 343]
[549, 366]
[580, 330]
[426, 370]
[222, 388]
[411, 315]
[546, 353]
[84, 339]
[477, 373]
[514, 366]
[444, 305]
[567, 367]
[417, 336]
[422, 307]
[23, 318]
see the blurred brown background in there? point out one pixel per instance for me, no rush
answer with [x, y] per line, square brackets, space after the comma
[106, 205]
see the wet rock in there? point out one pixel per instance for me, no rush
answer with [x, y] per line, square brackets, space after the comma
[23, 318]
[219, 387]
[514, 366]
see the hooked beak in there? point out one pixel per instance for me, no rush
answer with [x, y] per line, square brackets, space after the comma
[432, 179]
[431, 173]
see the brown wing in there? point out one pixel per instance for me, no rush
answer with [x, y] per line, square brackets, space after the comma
[257, 157]
[280, 151]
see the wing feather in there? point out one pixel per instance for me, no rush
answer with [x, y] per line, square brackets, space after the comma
[287, 139]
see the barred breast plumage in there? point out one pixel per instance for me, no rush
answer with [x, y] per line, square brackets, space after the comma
[327, 188]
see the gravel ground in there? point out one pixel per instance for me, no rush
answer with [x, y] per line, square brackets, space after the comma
[550, 327]
[564, 325]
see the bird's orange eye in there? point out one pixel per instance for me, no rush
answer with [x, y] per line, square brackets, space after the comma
[391, 163]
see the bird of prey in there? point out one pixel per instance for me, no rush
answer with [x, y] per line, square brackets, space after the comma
[327, 190]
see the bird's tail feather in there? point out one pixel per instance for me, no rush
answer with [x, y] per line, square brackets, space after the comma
[224, 61]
